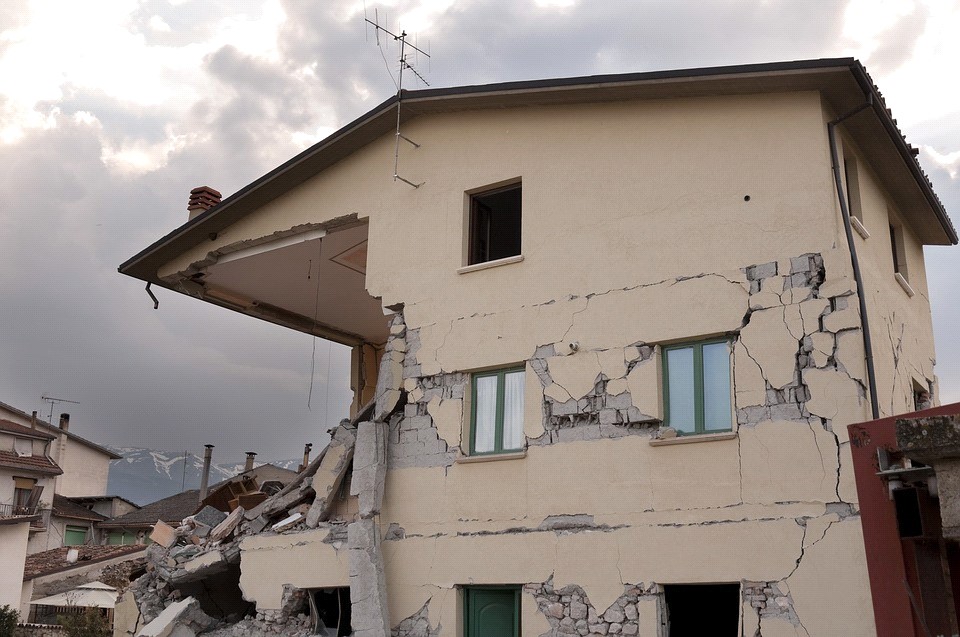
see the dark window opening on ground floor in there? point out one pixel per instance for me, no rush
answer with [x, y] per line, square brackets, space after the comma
[694, 610]
[330, 609]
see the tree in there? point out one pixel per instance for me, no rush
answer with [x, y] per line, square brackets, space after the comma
[9, 617]
[90, 623]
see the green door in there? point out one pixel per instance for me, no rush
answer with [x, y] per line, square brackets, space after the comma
[492, 612]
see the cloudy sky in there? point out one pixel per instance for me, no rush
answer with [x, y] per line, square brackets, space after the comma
[110, 111]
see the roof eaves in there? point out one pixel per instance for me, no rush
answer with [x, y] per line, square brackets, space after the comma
[904, 148]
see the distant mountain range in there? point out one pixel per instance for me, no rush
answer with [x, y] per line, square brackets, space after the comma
[147, 475]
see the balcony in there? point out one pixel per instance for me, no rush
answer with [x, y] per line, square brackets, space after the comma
[38, 518]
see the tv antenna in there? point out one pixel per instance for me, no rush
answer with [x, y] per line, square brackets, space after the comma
[52, 400]
[404, 65]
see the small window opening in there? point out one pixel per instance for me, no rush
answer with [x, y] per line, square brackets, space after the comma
[495, 224]
[330, 609]
[909, 519]
[921, 397]
[853, 188]
[702, 609]
[897, 250]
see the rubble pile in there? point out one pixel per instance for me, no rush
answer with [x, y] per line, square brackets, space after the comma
[186, 563]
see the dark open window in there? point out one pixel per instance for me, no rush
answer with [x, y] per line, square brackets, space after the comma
[695, 610]
[495, 224]
[330, 608]
[898, 251]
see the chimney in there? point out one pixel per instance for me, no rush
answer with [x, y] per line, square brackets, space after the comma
[202, 198]
[250, 456]
[205, 478]
[33, 420]
[306, 456]
[65, 422]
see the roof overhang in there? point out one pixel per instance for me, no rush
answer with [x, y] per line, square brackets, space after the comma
[843, 82]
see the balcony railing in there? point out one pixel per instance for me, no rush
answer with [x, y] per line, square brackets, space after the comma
[17, 511]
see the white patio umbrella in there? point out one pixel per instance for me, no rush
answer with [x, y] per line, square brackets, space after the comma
[92, 595]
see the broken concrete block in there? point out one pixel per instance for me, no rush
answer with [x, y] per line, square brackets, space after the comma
[330, 474]
[209, 516]
[368, 589]
[370, 465]
[287, 522]
[180, 619]
[163, 534]
[225, 528]
[258, 524]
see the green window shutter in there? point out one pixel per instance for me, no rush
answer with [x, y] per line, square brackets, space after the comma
[492, 612]
[74, 536]
[115, 538]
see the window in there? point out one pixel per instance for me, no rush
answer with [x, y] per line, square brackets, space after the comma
[491, 611]
[853, 188]
[330, 609]
[496, 412]
[22, 494]
[898, 252]
[117, 538]
[696, 384]
[75, 535]
[494, 225]
[702, 609]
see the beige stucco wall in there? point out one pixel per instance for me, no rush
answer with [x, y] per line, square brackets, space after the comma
[85, 470]
[635, 230]
[13, 552]
[901, 325]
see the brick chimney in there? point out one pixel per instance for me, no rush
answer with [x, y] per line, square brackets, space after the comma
[250, 456]
[202, 198]
[65, 422]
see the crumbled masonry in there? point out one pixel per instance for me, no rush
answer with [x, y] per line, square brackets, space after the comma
[415, 420]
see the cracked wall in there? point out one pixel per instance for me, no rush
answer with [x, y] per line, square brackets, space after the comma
[774, 505]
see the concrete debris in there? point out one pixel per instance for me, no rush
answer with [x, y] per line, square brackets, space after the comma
[417, 625]
[208, 516]
[225, 528]
[569, 611]
[368, 591]
[163, 534]
[180, 619]
[287, 522]
[330, 474]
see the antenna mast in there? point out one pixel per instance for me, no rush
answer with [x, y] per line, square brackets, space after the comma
[53, 401]
[404, 64]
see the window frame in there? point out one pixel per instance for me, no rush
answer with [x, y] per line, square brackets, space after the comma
[473, 203]
[501, 374]
[467, 591]
[699, 425]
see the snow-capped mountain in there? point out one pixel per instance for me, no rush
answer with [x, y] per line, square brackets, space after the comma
[147, 475]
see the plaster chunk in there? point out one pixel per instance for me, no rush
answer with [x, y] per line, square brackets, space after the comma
[557, 393]
[829, 589]
[772, 346]
[750, 386]
[617, 386]
[764, 299]
[810, 312]
[448, 417]
[576, 374]
[836, 397]
[794, 321]
[788, 461]
[822, 347]
[644, 383]
[612, 363]
[845, 319]
[851, 355]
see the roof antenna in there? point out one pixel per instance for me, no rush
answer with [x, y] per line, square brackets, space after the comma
[53, 401]
[398, 82]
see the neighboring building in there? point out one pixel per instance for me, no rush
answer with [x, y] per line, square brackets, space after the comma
[59, 570]
[622, 345]
[85, 464]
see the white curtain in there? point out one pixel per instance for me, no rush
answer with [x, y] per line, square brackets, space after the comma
[513, 411]
[486, 421]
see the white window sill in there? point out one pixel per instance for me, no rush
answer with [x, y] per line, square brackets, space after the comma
[859, 227]
[493, 457]
[692, 438]
[490, 264]
[904, 284]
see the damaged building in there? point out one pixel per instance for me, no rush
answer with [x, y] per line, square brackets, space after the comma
[608, 335]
